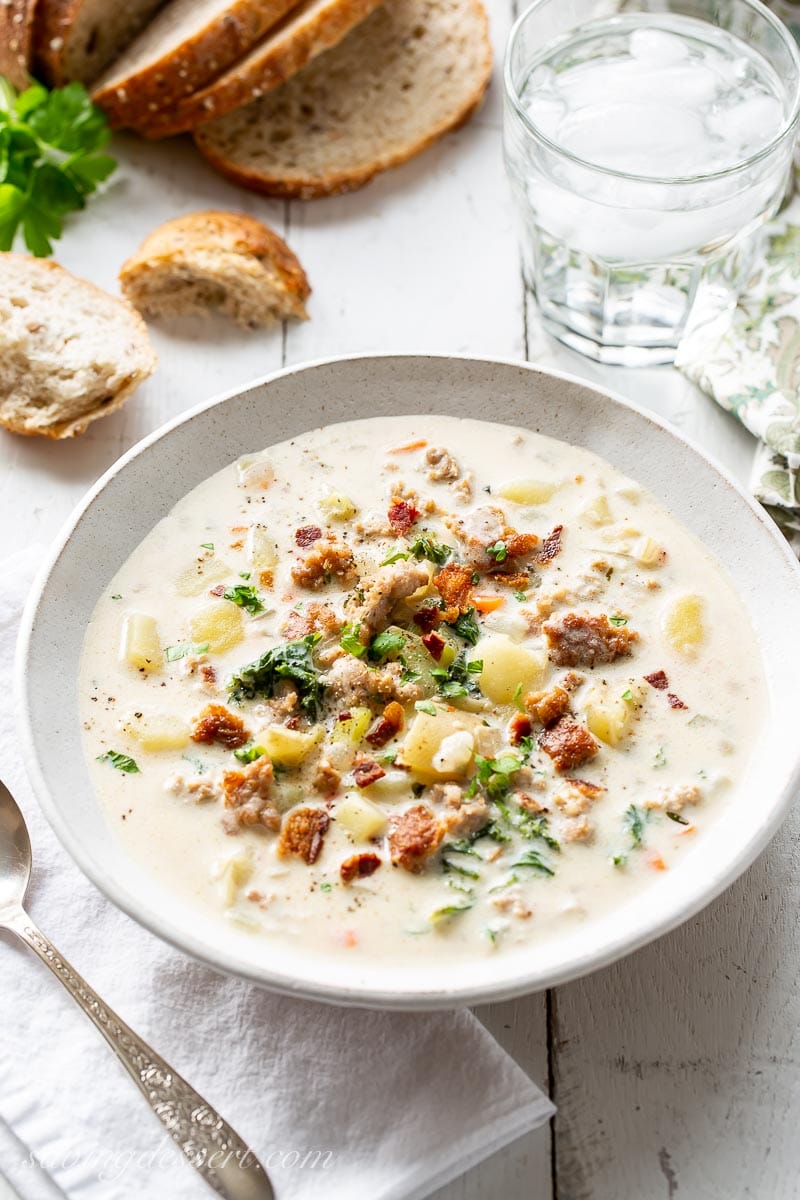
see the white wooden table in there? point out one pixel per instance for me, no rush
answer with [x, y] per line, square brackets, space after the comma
[676, 1072]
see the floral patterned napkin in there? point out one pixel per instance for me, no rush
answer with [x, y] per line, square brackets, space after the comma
[749, 361]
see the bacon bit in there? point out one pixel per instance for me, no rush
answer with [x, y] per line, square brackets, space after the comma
[235, 545]
[359, 866]
[658, 680]
[551, 546]
[402, 515]
[303, 832]
[519, 727]
[344, 716]
[420, 445]
[675, 701]
[219, 590]
[487, 604]
[307, 534]
[387, 725]
[367, 771]
[655, 861]
[427, 617]
[572, 680]
[454, 584]
[434, 643]
[217, 724]
[208, 672]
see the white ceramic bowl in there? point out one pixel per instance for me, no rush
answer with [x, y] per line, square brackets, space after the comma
[148, 481]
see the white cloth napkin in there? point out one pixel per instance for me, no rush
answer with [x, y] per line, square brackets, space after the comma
[336, 1102]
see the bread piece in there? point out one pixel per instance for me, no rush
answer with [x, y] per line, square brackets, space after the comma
[188, 44]
[216, 260]
[77, 39]
[16, 40]
[412, 71]
[69, 352]
[314, 26]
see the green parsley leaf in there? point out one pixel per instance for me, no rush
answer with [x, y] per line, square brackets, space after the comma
[50, 161]
[289, 660]
[206, 545]
[244, 574]
[660, 759]
[351, 642]
[618, 621]
[394, 556]
[117, 596]
[457, 679]
[427, 545]
[182, 649]
[245, 597]
[467, 627]
[517, 698]
[499, 552]
[386, 644]
[122, 762]
[449, 910]
[627, 694]
[326, 887]
[634, 824]
[426, 706]
[521, 596]
[248, 754]
[674, 816]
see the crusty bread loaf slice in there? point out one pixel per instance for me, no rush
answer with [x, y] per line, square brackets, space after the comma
[413, 70]
[314, 26]
[69, 352]
[16, 40]
[77, 39]
[188, 44]
[216, 260]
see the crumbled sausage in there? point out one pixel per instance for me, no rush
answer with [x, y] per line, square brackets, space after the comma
[216, 723]
[366, 771]
[247, 797]
[548, 706]
[658, 680]
[414, 837]
[675, 798]
[387, 587]
[303, 832]
[463, 488]
[314, 618]
[402, 515]
[198, 788]
[307, 534]
[463, 815]
[387, 726]
[352, 682]
[551, 546]
[442, 465]
[485, 527]
[454, 585]
[568, 743]
[326, 778]
[359, 866]
[572, 680]
[328, 558]
[577, 829]
[581, 640]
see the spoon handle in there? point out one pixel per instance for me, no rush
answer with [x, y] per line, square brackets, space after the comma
[223, 1160]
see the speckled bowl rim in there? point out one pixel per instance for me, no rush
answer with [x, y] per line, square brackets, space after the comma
[345, 993]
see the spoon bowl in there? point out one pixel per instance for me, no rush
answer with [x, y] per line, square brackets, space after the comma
[15, 854]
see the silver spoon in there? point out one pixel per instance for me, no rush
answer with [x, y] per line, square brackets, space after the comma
[224, 1161]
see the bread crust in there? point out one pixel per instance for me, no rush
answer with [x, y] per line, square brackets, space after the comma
[199, 59]
[74, 426]
[334, 183]
[16, 40]
[54, 20]
[303, 34]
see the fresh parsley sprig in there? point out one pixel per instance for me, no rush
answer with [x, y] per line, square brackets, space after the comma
[50, 160]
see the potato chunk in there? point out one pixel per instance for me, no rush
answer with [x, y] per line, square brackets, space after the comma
[610, 713]
[201, 577]
[158, 731]
[683, 624]
[288, 747]
[353, 728]
[528, 491]
[424, 741]
[598, 511]
[506, 665]
[360, 817]
[337, 506]
[140, 647]
[221, 625]
[261, 550]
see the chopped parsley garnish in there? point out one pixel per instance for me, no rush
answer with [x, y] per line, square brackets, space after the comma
[290, 660]
[493, 775]
[386, 644]
[634, 824]
[351, 642]
[517, 698]
[534, 861]
[426, 706]
[427, 545]
[459, 678]
[660, 759]
[499, 552]
[521, 596]
[245, 597]
[618, 621]
[467, 627]
[248, 754]
[117, 596]
[394, 556]
[122, 762]
[675, 816]
[206, 545]
[326, 887]
[627, 694]
[182, 649]
[244, 574]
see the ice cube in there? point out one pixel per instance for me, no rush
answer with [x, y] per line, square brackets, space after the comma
[653, 46]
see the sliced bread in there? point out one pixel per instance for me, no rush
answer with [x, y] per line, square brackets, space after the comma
[216, 260]
[413, 70]
[16, 40]
[188, 44]
[77, 39]
[314, 26]
[69, 352]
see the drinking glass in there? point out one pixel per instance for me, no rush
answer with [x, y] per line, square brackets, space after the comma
[619, 257]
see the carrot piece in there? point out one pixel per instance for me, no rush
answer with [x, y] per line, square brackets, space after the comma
[420, 445]
[655, 861]
[487, 604]
[687, 830]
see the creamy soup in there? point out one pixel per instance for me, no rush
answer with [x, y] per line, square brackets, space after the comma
[417, 686]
